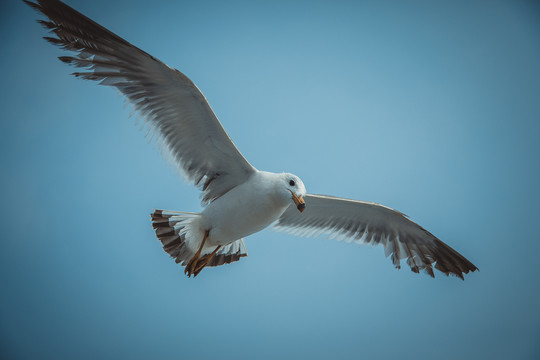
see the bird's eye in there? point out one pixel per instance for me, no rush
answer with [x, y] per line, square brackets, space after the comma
[291, 182]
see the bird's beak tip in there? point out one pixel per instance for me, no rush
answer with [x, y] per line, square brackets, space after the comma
[299, 202]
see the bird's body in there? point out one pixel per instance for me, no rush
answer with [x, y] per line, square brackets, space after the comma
[239, 199]
[246, 209]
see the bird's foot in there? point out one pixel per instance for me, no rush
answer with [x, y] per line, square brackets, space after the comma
[196, 264]
[203, 261]
[192, 265]
[193, 262]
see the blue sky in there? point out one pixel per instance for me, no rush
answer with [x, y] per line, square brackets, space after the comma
[429, 107]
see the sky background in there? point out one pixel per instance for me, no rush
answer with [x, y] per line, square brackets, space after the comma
[429, 107]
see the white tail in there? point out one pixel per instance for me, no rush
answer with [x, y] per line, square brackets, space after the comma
[179, 234]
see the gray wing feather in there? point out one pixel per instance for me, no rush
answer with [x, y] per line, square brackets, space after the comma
[371, 223]
[173, 107]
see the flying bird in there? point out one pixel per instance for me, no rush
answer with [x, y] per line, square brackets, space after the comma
[238, 199]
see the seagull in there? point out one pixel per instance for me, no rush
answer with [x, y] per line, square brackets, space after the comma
[238, 199]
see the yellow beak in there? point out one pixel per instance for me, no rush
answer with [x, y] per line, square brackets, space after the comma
[299, 202]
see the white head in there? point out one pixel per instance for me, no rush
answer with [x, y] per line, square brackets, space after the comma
[291, 187]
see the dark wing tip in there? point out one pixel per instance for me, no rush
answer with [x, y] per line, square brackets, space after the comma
[424, 256]
[33, 5]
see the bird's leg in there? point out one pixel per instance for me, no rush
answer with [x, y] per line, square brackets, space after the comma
[192, 264]
[204, 260]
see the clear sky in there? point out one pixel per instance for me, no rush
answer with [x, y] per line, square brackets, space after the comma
[429, 107]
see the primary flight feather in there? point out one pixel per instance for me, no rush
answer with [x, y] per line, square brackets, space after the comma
[239, 199]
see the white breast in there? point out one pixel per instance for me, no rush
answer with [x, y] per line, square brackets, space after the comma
[246, 209]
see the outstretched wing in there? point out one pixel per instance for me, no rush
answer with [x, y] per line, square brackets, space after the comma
[173, 107]
[371, 223]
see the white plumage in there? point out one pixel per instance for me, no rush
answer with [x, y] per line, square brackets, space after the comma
[240, 200]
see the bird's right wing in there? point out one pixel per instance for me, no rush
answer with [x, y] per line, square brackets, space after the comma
[371, 223]
[173, 107]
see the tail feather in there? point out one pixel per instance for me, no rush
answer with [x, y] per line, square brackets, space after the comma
[171, 229]
[230, 253]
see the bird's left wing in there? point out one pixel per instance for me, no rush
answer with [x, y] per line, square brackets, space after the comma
[173, 107]
[371, 223]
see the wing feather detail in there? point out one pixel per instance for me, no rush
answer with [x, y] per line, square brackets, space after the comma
[371, 223]
[174, 109]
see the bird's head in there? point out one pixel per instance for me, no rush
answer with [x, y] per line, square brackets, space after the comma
[292, 187]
